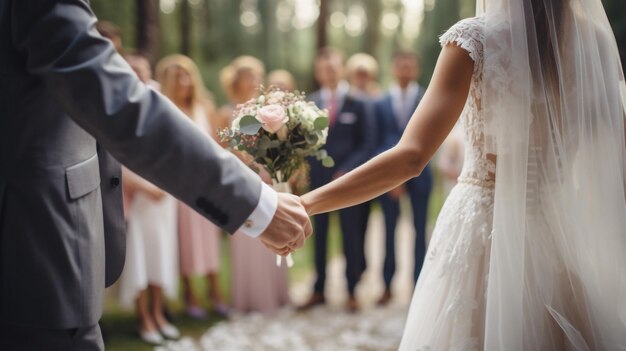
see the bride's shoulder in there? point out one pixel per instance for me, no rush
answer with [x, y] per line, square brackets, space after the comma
[469, 34]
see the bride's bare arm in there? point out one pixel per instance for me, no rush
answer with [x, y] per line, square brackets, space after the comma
[431, 123]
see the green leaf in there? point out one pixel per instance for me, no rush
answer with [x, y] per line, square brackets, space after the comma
[249, 125]
[321, 123]
[328, 162]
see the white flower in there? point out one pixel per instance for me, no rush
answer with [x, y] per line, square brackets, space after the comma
[322, 140]
[305, 114]
[275, 97]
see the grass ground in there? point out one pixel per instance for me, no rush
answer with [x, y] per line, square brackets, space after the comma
[119, 326]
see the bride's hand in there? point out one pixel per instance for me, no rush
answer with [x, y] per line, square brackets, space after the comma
[305, 201]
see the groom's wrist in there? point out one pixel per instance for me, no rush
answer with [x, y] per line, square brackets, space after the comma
[263, 214]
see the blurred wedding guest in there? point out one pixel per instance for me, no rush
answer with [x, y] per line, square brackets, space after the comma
[281, 79]
[351, 142]
[362, 74]
[111, 32]
[140, 277]
[143, 70]
[151, 269]
[258, 285]
[450, 158]
[240, 80]
[199, 239]
[142, 67]
[393, 113]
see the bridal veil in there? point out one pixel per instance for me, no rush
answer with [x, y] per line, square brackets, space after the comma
[554, 104]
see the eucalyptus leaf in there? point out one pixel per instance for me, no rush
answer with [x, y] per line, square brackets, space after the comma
[249, 125]
[321, 123]
[328, 162]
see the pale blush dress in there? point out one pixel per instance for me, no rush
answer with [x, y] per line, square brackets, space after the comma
[151, 248]
[257, 284]
[199, 239]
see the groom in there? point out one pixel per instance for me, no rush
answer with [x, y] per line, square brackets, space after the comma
[62, 88]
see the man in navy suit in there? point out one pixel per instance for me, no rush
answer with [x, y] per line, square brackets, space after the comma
[393, 113]
[351, 141]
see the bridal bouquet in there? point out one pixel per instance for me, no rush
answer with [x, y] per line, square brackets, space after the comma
[279, 130]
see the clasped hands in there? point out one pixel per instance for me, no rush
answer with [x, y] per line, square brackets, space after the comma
[289, 228]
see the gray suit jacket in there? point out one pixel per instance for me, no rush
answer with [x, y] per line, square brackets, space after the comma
[62, 87]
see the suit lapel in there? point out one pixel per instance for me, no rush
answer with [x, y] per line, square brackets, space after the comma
[392, 114]
[416, 101]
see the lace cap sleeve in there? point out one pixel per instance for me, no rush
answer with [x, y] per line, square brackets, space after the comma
[469, 35]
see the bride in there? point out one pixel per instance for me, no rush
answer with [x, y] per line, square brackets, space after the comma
[529, 251]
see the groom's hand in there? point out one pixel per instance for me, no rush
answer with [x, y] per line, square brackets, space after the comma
[289, 228]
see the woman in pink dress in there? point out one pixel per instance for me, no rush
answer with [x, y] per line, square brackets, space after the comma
[258, 285]
[199, 239]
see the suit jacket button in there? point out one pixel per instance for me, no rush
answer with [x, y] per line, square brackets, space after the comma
[248, 223]
[115, 182]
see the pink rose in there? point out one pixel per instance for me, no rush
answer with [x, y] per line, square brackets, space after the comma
[273, 117]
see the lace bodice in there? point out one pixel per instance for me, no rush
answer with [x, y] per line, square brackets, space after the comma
[477, 166]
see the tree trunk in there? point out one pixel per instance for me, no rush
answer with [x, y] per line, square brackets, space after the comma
[266, 11]
[374, 11]
[147, 29]
[209, 46]
[185, 28]
[322, 23]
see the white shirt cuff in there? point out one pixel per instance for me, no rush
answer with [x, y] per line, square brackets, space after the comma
[263, 214]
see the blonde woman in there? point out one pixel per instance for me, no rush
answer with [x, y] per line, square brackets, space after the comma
[257, 284]
[199, 239]
[362, 72]
[282, 80]
[150, 270]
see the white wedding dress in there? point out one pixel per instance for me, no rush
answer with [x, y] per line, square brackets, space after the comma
[454, 307]
[446, 309]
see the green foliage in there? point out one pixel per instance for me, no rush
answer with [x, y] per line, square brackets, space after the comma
[321, 124]
[616, 12]
[249, 125]
[217, 35]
